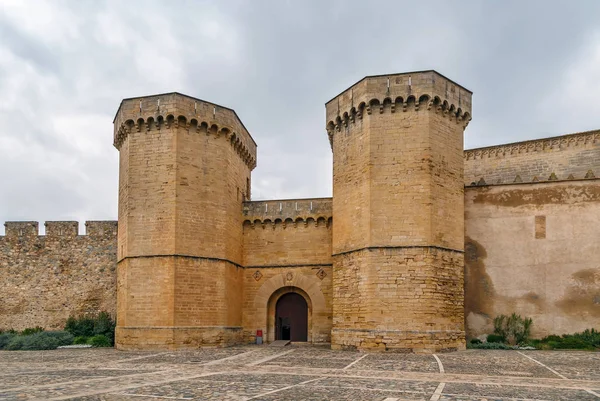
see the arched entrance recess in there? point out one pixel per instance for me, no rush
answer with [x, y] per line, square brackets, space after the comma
[266, 298]
[291, 317]
[273, 326]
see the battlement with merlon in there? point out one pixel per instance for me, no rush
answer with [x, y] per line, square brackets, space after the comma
[175, 110]
[560, 158]
[59, 229]
[288, 211]
[400, 92]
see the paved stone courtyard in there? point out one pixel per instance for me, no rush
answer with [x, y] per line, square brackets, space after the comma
[297, 373]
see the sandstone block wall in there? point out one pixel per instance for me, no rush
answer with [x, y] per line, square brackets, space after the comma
[573, 156]
[200, 264]
[184, 173]
[287, 248]
[533, 249]
[47, 278]
[397, 187]
[413, 300]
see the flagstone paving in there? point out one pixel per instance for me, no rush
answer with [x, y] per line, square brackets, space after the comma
[297, 373]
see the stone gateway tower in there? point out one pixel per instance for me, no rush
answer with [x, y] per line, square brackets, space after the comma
[184, 173]
[398, 207]
[416, 251]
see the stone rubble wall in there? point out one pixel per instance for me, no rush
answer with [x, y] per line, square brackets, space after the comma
[47, 278]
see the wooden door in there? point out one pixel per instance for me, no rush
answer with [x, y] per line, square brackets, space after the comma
[291, 318]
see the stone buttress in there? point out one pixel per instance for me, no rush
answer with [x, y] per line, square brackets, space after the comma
[184, 173]
[398, 212]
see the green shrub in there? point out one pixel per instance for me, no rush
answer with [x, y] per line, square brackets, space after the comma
[586, 340]
[39, 341]
[63, 337]
[570, 342]
[475, 341]
[513, 328]
[80, 326]
[551, 337]
[32, 342]
[104, 325]
[89, 326]
[32, 330]
[100, 340]
[15, 343]
[5, 338]
[590, 336]
[495, 338]
[80, 340]
[532, 343]
[489, 346]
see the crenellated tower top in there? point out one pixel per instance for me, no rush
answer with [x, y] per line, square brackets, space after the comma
[175, 109]
[399, 92]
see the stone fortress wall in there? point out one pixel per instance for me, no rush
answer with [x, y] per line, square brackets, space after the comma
[532, 223]
[46, 278]
[201, 264]
[530, 247]
[397, 145]
[287, 248]
[567, 157]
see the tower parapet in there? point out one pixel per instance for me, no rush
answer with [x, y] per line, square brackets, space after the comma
[181, 111]
[425, 90]
[398, 206]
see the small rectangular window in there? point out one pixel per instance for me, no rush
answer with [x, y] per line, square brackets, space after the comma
[540, 227]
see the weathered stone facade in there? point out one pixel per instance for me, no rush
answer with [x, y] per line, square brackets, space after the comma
[44, 279]
[421, 245]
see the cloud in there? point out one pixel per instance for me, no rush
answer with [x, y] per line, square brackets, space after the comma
[65, 66]
[575, 96]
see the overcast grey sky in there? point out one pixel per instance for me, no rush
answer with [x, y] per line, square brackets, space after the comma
[534, 68]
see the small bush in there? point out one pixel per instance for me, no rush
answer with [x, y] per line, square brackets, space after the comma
[89, 326]
[32, 330]
[489, 346]
[5, 339]
[80, 326]
[551, 337]
[39, 341]
[63, 337]
[586, 340]
[475, 341]
[104, 324]
[15, 343]
[80, 340]
[100, 340]
[495, 338]
[513, 328]
[591, 337]
[32, 342]
[570, 342]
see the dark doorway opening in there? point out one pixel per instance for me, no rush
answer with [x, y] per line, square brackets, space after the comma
[291, 318]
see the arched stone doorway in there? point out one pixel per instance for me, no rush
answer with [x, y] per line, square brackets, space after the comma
[289, 295]
[291, 318]
[309, 287]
